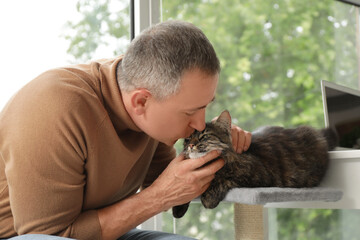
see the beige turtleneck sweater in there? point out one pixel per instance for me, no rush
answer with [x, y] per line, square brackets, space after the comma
[67, 148]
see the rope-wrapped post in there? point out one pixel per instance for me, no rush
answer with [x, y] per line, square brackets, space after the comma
[248, 221]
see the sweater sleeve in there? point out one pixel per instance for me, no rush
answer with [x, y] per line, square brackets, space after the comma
[43, 145]
[162, 157]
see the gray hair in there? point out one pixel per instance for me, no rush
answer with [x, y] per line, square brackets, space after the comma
[158, 57]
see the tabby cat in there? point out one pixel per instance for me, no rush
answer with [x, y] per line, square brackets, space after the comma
[277, 157]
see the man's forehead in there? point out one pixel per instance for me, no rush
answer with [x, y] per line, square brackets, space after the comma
[203, 106]
[197, 90]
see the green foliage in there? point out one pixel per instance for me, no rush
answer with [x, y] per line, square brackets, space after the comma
[273, 55]
[102, 22]
[202, 223]
[315, 224]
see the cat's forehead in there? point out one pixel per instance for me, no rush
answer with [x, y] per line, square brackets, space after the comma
[213, 128]
[210, 129]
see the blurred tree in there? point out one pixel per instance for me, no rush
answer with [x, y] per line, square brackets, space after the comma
[273, 55]
[103, 22]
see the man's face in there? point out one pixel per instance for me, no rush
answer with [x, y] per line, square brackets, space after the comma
[181, 114]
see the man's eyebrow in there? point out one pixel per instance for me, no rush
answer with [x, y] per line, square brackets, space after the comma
[205, 105]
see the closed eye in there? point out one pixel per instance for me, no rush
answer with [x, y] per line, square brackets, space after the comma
[190, 113]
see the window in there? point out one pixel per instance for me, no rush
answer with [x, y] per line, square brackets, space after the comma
[273, 55]
[39, 35]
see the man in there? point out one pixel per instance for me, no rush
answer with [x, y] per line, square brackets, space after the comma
[76, 143]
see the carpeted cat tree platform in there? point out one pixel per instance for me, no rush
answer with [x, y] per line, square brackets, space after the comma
[262, 196]
[249, 203]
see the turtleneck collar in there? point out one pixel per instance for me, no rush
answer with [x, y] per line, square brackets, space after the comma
[109, 87]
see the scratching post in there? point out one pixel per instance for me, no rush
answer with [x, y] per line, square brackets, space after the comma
[249, 202]
[248, 221]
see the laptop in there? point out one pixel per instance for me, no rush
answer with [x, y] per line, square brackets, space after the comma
[342, 113]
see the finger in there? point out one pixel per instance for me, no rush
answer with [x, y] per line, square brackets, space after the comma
[205, 182]
[210, 169]
[241, 140]
[247, 141]
[235, 137]
[205, 187]
[199, 162]
[214, 119]
[207, 179]
[179, 158]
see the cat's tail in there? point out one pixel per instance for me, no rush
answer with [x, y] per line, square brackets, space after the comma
[331, 137]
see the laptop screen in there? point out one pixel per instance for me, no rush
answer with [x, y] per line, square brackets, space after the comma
[342, 113]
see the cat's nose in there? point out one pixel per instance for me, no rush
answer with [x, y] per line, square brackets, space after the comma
[192, 147]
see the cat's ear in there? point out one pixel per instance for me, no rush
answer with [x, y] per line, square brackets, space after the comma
[224, 120]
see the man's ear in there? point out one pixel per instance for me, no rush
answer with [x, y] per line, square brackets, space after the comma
[139, 99]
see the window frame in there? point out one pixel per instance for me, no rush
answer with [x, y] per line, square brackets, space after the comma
[352, 2]
[148, 13]
[143, 15]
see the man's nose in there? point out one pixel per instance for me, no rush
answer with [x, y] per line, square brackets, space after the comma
[198, 120]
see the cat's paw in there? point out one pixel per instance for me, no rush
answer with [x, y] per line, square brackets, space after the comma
[209, 202]
[179, 211]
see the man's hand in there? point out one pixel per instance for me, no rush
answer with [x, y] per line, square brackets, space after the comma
[182, 181]
[185, 179]
[241, 139]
